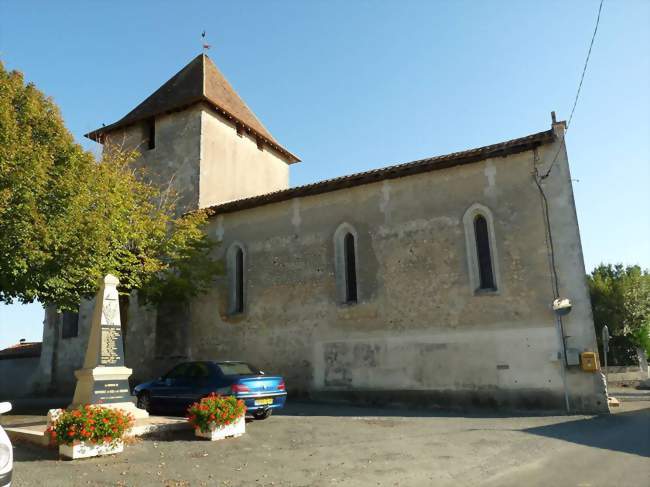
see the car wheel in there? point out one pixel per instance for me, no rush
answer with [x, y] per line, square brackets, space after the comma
[265, 413]
[144, 401]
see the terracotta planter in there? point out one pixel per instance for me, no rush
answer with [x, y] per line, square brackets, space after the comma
[220, 432]
[81, 449]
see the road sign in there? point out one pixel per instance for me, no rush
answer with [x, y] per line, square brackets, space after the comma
[605, 336]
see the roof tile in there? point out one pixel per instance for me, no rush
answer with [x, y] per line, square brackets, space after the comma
[199, 81]
[501, 149]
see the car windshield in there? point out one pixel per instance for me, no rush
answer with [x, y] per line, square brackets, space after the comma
[237, 368]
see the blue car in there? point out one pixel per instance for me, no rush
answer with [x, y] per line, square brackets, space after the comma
[188, 382]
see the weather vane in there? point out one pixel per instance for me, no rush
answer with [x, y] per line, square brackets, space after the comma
[206, 46]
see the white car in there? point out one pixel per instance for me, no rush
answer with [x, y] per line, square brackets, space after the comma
[6, 451]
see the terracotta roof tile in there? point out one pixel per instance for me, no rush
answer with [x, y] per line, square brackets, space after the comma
[22, 350]
[199, 81]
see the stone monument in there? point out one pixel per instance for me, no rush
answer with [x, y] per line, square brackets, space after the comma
[104, 378]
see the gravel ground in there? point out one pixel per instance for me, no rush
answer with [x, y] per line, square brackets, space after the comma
[325, 445]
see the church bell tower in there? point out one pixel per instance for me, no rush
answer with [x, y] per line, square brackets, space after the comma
[198, 137]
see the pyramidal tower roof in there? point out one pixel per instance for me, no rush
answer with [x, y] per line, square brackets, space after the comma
[199, 81]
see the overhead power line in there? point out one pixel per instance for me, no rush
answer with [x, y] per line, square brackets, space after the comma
[582, 78]
[584, 69]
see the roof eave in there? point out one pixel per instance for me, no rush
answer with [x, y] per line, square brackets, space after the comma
[501, 149]
[98, 134]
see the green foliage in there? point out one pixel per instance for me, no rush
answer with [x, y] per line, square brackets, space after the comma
[620, 297]
[66, 219]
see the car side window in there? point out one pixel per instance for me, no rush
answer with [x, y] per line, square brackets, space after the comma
[177, 372]
[198, 370]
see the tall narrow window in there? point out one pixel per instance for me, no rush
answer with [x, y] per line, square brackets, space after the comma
[151, 133]
[483, 254]
[350, 269]
[346, 256]
[69, 324]
[239, 281]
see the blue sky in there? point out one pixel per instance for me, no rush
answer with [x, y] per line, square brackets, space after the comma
[350, 86]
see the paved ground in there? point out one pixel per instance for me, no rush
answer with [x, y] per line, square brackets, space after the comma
[318, 445]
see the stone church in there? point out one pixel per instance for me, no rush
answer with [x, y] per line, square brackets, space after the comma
[429, 281]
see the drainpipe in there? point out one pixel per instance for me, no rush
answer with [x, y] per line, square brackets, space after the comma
[551, 253]
[560, 329]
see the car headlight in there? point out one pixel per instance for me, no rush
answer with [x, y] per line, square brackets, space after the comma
[5, 456]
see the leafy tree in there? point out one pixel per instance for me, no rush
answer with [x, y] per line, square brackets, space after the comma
[620, 298]
[67, 219]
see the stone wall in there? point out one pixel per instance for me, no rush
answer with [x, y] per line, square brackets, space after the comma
[174, 161]
[618, 374]
[419, 330]
[60, 357]
[200, 156]
[18, 377]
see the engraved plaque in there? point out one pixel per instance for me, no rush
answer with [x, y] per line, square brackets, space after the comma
[111, 350]
[108, 391]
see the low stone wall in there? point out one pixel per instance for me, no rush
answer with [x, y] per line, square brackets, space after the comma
[17, 376]
[627, 374]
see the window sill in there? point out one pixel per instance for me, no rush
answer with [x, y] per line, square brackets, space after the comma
[486, 292]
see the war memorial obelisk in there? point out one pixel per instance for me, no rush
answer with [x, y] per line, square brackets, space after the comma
[104, 378]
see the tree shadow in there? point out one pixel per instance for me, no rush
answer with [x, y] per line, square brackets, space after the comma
[627, 432]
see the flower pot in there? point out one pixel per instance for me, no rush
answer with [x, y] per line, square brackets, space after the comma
[220, 432]
[81, 449]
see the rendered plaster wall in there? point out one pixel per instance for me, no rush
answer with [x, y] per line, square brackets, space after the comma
[200, 156]
[174, 161]
[233, 167]
[418, 329]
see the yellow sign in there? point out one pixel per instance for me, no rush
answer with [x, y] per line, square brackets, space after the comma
[589, 361]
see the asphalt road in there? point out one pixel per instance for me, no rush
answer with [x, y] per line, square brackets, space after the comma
[319, 445]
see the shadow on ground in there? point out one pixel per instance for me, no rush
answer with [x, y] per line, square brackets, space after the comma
[26, 452]
[343, 409]
[37, 405]
[627, 432]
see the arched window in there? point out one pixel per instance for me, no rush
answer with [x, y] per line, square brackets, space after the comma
[237, 278]
[482, 261]
[350, 269]
[345, 263]
[483, 255]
